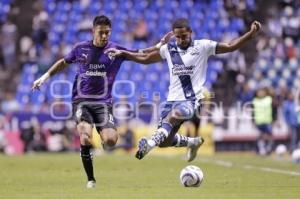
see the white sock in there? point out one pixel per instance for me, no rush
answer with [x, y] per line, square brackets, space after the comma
[151, 143]
[192, 141]
[184, 141]
[158, 137]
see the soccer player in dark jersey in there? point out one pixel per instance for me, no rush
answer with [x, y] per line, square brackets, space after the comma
[91, 94]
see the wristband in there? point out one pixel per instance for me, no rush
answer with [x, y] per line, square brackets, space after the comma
[158, 45]
[45, 76]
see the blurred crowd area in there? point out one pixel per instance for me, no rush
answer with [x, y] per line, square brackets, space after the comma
[36, 33]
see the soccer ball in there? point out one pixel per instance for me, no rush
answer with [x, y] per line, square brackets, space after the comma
[191, 176]
[296, 156]
[280, 150]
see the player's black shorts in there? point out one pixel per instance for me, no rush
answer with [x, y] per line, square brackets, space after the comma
[97, 113]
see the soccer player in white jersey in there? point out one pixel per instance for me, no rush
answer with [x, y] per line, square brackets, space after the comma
[187, 61]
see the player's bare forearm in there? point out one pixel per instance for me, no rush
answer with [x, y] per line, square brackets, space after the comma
[136, 57]
[240, 41]
[148, 50]
[165, 39]
[57, 67]
[142, 58]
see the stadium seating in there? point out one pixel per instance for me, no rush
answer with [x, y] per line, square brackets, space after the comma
[276, 66]
[4, 9]
[65, 18]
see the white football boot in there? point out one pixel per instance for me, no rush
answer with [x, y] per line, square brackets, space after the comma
[193, 148]
[91, 184]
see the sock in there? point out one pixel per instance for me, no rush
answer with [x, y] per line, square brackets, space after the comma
[87, 161]
[269, 146]
[183, 141]
[261, 147]
[161, 135]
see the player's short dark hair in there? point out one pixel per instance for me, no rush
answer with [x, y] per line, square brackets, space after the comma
[181, 23]
[101, 20]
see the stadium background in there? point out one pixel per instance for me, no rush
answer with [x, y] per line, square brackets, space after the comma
[36, 33]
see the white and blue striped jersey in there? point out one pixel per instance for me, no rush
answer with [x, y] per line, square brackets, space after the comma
[187, 68]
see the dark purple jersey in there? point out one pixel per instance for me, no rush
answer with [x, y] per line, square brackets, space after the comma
[96, 71]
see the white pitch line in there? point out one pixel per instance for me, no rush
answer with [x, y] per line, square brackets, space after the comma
[273, 170]
[218, 162]
[229, 164]
[224, 163]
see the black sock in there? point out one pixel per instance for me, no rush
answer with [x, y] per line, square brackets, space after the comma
[87, 161]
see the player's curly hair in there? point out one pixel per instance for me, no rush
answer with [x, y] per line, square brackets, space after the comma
[181, 23]
[101, 20]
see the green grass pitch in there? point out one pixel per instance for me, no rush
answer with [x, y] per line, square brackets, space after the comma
[232, 176]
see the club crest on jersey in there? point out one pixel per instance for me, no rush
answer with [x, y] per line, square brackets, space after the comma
[111, 56]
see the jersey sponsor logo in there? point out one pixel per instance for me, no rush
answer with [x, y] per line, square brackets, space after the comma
[183, 70]
[95, 73]
[93, 70]
[179, 65]
[96, 66]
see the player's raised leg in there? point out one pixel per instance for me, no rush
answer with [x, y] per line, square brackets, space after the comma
[156, 139]
[166, 135]
[193, 148]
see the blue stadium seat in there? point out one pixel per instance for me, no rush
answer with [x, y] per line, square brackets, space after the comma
[65, 16]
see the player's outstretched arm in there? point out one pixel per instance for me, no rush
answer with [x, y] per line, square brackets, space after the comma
[55, 68]
[165, 39]
[138, 57]
[240, 41]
